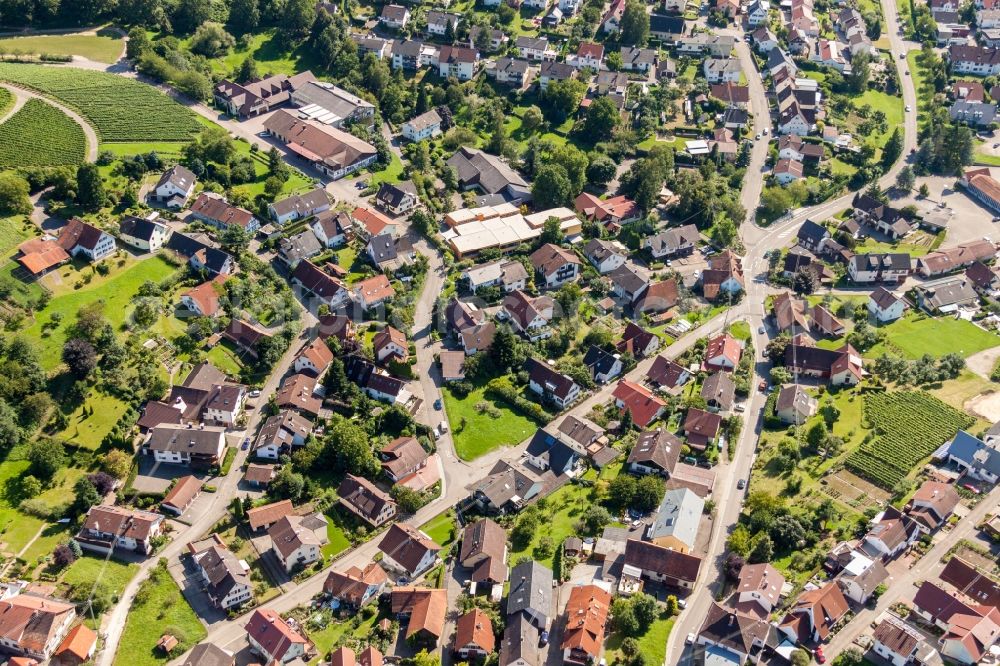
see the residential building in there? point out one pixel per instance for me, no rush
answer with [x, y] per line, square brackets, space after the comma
[298, 247]
[226, 581]
[425, 126]
[675, 523]
[424, 610]
[298, 392]
[397, 199]
[200, 256]
[178, 444]
[547, 382]
[394, 17]
[204, 300]
[333, 229]
[80, 238]
[484, 551]
[408, 550]
[897, 642]
[627, 283]
[34, 626]
[262, 517]
[529, 316]
[109, 527]
[402, 457]
[390, 344]
[274, 639]
[641, 404]
[759, 589]
[490, 174]
[314, 358]
[794, 404]
[281, 433]
[615, 210]
[365, 500]
[78, 647]
[885, 306]
[515, 72]
[730, 636]
[946, 295]
[722, 70]
[654, 452]
[143, 233]
[299, 206]
[841, 366]
[550, 71]
[815, 613]
[604, 255]
[530, 595]
[458, 61]
[180, 496]
[175, 187]
[977, 60]
[662, 565]
[723, 277]
[555, 265]
[510, 275]
[719, 392]
[723, 353]
[214, 210]
[878, 267]
[535, 48]
[587, 613]
[603, 365]
[297, 540]
[701, 428]
[667, 374]
[861, 576]
[638, 341]
[376, 383]
[356, 587]
[373, 292]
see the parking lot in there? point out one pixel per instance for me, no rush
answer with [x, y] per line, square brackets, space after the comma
[971, 220]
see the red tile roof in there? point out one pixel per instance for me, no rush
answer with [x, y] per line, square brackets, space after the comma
[639, 401]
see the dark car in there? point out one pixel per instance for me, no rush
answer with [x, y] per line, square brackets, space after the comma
[246, 444]
[741, 484]
[437, 404]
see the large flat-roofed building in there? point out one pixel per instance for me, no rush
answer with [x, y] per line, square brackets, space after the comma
[326, 103]
[473, 230]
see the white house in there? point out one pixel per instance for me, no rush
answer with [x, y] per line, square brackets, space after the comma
[722, 70]
[274, 639]
[299, 206]
[79, 237]
[885, 306]
[424, 126]
[181, 445]
[225, 577]
[175, 187]
[757, 12]
[108, 527]
[332, 228]
[458, 62]
[896, 641]
[407, 549]
[295, 542]
[144, 234]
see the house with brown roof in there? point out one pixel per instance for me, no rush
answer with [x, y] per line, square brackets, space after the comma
[641, 404]
[655, 452]
[891, 533]
[262, 517]
[529, 316]
[314, 358]
[272, 638]
[214, 210]
[296, 540]
[330, 150]
[815, 613]
[109, 527]
[719, 392]
[257, 97]
[971, 582]
[794, 404]
[244, 335]
[657, 297]
[638, 341]
[897, 642]
[356, 587]
[667, 374]
[402, 457]
[550, 384]
[474, 635]
[260, 476]
[225, 578]
[184, 492]
[327, 289]
[34, 626]
[390, 343]
[299, 392]
[587, 613]
[842, 367]
[861, 576]
[424, 610]
[366, 501]
[79, 237]
[735, 633]
[662, 565]
[484, 550]
[701, 428]
[555, 265]
[759, 589]
[723, 277]
[407, 549]
[932, 504]
[281, 433]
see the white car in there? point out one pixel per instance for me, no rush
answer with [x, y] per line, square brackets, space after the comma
[908, 109]
[765, 131]
[689, 640]
[757, 138]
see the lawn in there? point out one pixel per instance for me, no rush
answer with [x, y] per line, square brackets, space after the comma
[919, 82]
[560, 516]
[326, 638]
[224, 358]
[916, 334]
[295, 184]
[88, 429]
[117, 292]
[101, 48]
[652, 644]
[441, 528]
[159, 608]
[338, 541]
[482, 433]
[114, 575]
[391, 174]
[16, 529]
[128, 148]
[890, 105]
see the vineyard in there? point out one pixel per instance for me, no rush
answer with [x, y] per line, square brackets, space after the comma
[41, 135]
[120, 109]
[6, 101]
[907, 427]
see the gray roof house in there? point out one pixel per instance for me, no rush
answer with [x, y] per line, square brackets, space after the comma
[489, 173]
[976, 114]
[979, 460]
[531, 593]
[676, 522]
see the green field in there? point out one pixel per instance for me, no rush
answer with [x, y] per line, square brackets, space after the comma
[101, 48]
[338, 541]
[41, 135]
[116, 291]
[159, 608]
[482, 433]
[120, 109]
[87, 431]
[324, 639]
[441, 528]
[916, 334]
[16, 529]
[114, 575]
[652, 644]
[170, 149]
[224, 358]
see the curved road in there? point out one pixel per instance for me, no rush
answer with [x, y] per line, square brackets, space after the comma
[22, 95]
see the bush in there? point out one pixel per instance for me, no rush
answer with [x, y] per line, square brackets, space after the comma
[63, 556]
[502, 389]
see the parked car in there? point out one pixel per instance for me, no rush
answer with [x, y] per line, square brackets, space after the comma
[689, 639]
[762, 387]
[437, 404]
[246, 444]
[741, 484]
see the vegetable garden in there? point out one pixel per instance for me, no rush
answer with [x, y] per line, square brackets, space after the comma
[906, 428]
[41, 135]
[120, 109]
